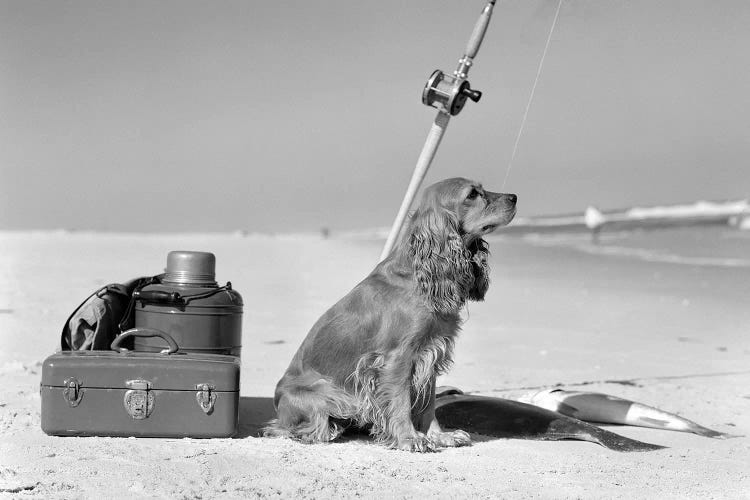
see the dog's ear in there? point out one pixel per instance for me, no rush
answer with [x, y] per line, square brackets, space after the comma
[481, 269]
[441, 263]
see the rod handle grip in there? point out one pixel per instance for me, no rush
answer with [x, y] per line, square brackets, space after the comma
[479, 30]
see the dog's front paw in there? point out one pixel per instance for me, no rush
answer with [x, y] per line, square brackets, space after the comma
[419, 443]
[451, 439]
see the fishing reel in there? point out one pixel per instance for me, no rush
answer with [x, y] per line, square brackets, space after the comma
[448, 93]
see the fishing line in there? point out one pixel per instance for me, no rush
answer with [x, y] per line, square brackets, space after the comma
[531, 95]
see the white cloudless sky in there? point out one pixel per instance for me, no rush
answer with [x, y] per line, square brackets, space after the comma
[286, 116]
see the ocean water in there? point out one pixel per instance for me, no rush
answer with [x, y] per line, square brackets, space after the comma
[707, 245]
[563, 309]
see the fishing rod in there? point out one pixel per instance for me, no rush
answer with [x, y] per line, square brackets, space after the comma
[447, 93]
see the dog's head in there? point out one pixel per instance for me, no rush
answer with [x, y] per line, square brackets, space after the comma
[445, 244]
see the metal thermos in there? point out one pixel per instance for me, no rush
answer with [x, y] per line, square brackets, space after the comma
[190, 306]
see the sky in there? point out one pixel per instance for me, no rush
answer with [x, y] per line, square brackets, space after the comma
[186, 115]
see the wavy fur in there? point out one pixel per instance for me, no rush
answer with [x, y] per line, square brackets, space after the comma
[434, 359]
[442, 264]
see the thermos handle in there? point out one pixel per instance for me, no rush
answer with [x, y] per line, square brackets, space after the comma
[145, 332]
[158, 296]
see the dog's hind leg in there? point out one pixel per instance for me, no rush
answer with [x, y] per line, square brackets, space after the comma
[305, 412]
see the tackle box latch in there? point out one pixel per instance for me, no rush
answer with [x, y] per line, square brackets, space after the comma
[206, 397]
[72, 392]
[139, 400]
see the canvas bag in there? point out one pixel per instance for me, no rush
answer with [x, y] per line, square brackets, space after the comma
[102, 316]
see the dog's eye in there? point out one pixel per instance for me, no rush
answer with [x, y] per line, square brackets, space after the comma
[473, 194]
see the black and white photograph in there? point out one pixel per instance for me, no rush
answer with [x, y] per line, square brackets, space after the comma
[374, 249]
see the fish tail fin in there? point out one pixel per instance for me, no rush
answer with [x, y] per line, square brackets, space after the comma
[706, 432]
[617, 442]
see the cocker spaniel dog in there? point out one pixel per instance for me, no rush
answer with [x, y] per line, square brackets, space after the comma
[372, 359]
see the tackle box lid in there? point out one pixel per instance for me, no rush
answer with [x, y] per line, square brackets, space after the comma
[111, 370]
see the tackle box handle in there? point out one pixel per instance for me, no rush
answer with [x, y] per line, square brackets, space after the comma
[144, 332]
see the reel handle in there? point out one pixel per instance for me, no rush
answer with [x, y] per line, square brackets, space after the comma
[472, 94]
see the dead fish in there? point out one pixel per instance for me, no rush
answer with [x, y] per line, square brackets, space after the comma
[504, 418]
[606, 409]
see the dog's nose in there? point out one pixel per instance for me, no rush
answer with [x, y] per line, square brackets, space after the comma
[512, 197]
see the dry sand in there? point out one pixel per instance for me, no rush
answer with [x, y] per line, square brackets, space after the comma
[673, 334]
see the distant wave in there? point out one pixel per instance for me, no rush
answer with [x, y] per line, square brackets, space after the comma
[652, 256]
[697, 209]
[637, 253]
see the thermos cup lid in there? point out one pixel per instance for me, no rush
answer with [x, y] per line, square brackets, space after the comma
[190, 268]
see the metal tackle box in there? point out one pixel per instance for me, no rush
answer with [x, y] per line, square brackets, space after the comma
[129, 393]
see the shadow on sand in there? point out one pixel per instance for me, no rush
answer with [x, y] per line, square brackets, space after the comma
[254, 415]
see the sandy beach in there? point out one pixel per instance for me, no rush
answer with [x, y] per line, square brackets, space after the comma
[659, 317]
